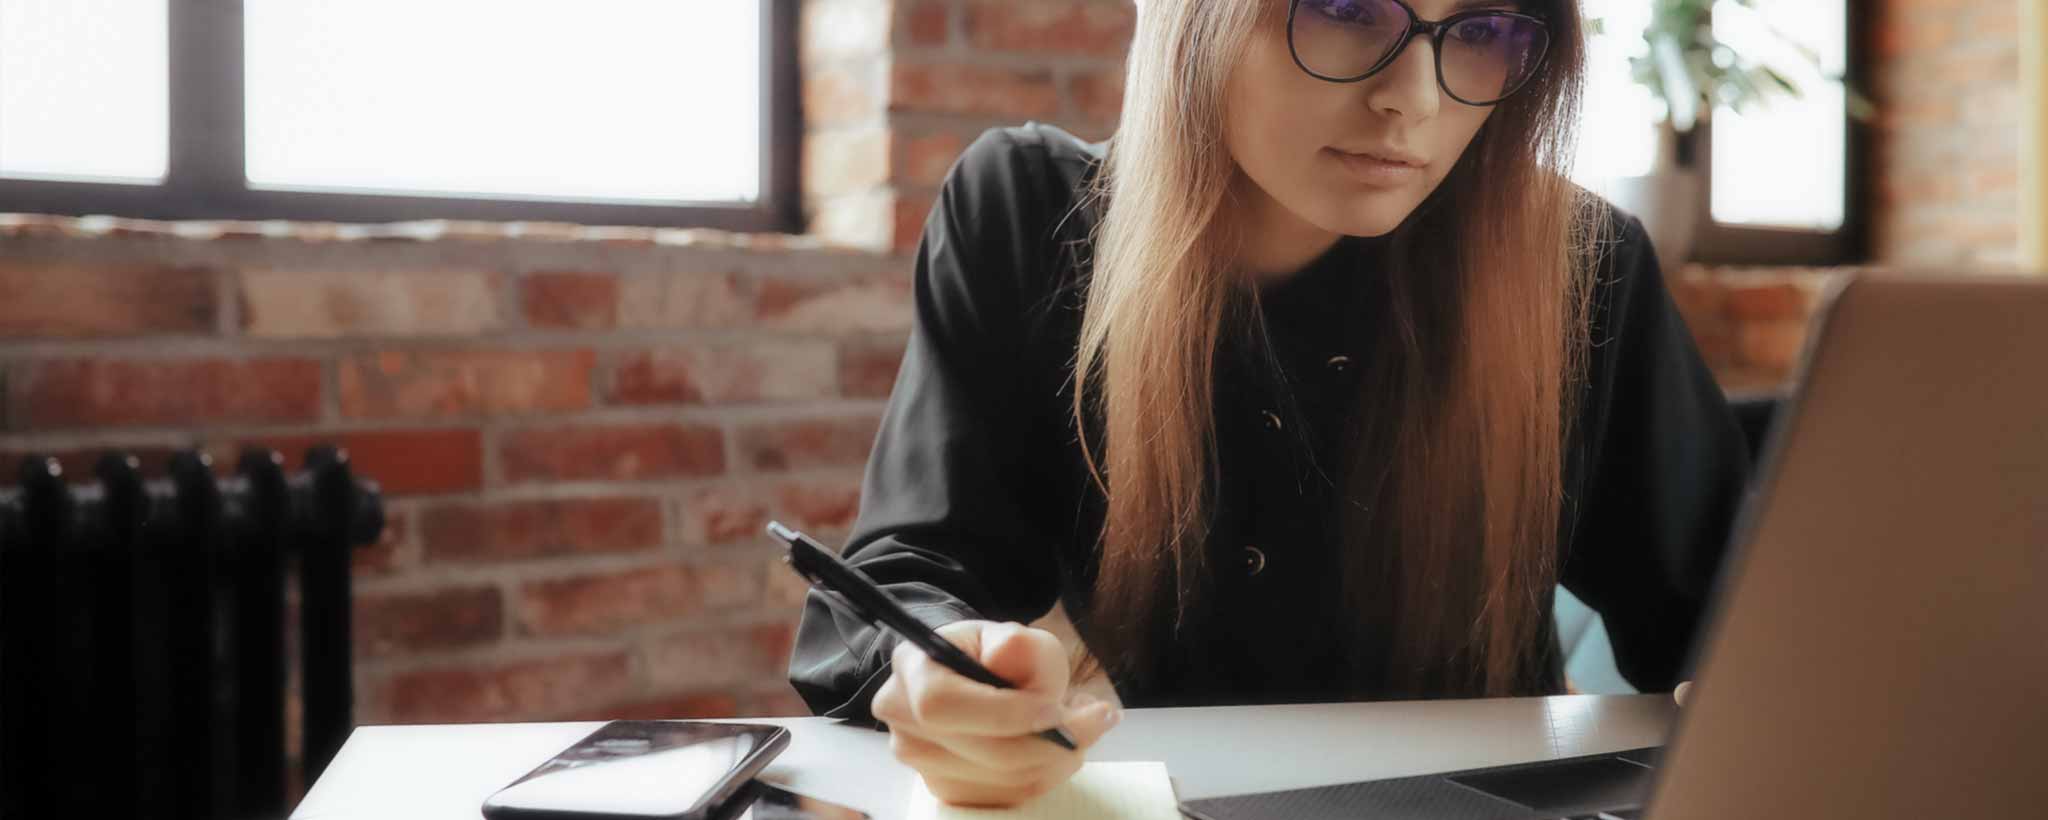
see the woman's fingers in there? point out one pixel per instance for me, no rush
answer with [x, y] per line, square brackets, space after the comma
[1086, 723]
[975, 743]
[1680, 693]
[943, 702]
[930, 757]
[1030, 659]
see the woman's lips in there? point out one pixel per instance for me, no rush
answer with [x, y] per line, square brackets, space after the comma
[1376, 172]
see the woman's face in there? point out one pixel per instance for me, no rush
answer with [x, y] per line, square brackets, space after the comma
[1346, 158]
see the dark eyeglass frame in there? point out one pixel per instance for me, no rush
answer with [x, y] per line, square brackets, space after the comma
[1435, 29]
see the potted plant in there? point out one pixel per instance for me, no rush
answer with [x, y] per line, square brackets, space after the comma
[1691, 70]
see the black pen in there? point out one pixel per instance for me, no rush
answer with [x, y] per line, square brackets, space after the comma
[836, 579]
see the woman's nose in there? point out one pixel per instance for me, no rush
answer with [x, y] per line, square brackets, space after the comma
[1407, 88]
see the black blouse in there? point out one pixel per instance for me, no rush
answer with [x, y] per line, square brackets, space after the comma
[977, 504]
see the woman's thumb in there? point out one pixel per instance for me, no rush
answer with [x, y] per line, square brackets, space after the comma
[1028, 658]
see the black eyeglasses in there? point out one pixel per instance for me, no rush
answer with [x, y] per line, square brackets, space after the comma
[1482, 57]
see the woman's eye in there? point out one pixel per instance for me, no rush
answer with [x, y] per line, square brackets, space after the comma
[1474, 32]
[1343, 11]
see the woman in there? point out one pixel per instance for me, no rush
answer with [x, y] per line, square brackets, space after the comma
[1310, 385]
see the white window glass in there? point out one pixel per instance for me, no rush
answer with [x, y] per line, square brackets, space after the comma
[1783, 164]
[84, 89]
[608, 100]
[1618, 134]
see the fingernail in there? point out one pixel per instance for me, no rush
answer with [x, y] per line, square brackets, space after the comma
[1083, 701]
[1110, 716]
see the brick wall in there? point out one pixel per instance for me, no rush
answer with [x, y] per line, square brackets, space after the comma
[582, 430]
[894, 91]
[1947, 148]
[581, 437]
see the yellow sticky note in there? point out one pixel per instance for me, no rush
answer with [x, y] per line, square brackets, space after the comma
[1100, 791]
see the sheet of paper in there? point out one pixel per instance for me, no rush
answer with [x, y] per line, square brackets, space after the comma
[1116, 790]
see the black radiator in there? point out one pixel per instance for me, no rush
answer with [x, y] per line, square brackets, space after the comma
[143, 646]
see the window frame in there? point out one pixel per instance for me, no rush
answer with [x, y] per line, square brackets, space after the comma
[1726, 244]
[205, 176]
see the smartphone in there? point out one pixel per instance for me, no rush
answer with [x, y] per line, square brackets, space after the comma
[767, 801]
[675, 770]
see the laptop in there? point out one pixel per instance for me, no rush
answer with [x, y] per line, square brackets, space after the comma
[1878, 643]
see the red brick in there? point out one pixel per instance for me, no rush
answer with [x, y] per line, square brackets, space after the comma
[944, 88]
[395, 550]
[521, 690]
[441, 384]
[72, 393]
[330, 304]
[1089, 27]
[1699, 298]
[813, 442]
[819, 507]
[785, 590]
[513, 530]
[71, 299]
[1924, 34]
[722, 513]
[911, 208]
[924, 159]
[685, 300]
[1781, 300]
[686, 706]
[401, 623]
[615, 453]
[863, 220]
[845, 160]
[726, 374]
[707, 658]
[929, 22]
[601, 603]
[404, 462]
[1774, 345]
[867, 368]
[570, 301]
[1099, 94]
[839, 95]
[876, 303]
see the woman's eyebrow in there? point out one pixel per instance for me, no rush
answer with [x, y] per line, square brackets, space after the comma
[1490, 5]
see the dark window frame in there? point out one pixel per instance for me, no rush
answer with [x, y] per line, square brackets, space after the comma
[204, 174]
[1724, 244]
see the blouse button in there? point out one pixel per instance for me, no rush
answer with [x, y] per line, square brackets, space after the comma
[1338, 363]
[1272, 420]
[1254, 560]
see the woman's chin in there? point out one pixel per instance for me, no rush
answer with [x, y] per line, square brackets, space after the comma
[1369, 216]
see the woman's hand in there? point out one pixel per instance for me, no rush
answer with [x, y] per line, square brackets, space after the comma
[974, 744]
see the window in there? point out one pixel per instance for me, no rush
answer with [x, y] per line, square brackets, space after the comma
[646, 112]
[63, 117]
[1775, 178]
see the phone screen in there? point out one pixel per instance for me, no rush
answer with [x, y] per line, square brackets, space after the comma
[645, 768]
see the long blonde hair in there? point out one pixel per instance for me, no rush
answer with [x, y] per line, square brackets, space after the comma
[1454, 491]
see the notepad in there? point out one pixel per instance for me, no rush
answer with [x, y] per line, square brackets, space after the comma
[1116, 790]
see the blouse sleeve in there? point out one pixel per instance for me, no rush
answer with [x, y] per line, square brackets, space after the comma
[959, 484]
[1667, 467]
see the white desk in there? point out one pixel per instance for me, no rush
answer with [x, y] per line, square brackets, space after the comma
[394, 772]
